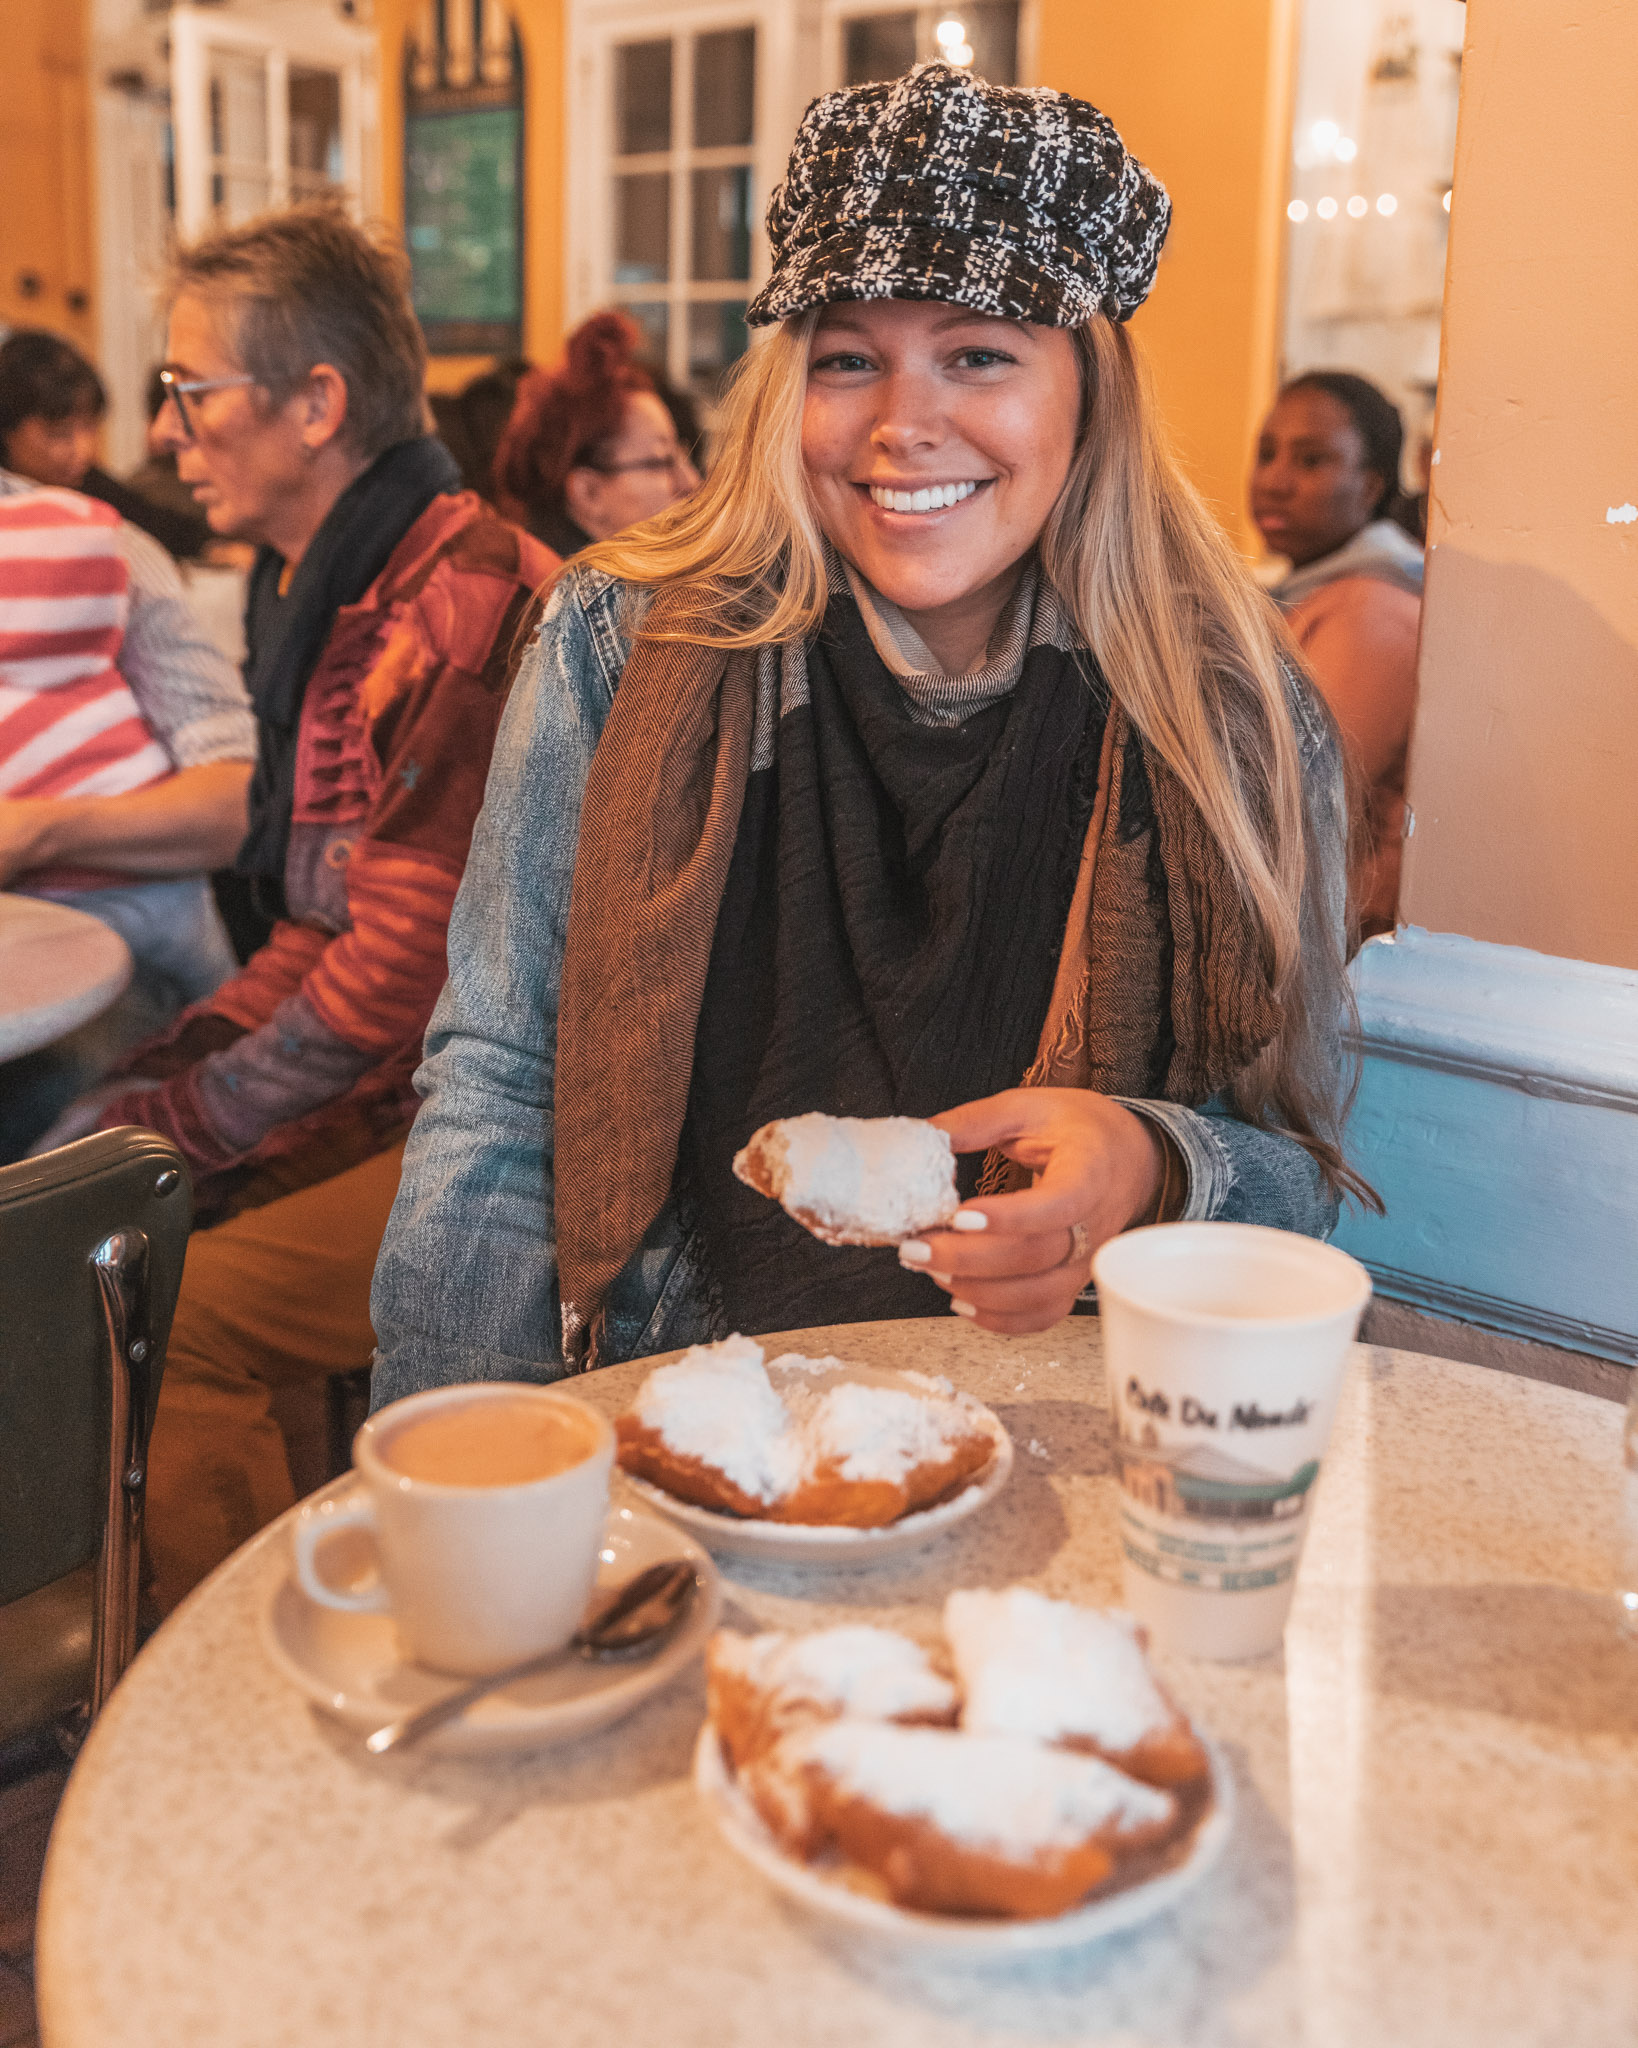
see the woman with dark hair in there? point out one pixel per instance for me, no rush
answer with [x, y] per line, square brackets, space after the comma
[1322, 493]
[591, 447]
[51, 407]
[471, 421]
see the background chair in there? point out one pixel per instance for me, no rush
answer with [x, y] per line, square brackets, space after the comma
[92, 1241]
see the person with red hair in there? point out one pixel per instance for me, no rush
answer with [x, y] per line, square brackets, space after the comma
[591, 447]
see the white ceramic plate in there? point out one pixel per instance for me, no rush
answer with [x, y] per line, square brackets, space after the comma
[351, 1666]
[937, 1934]
[809, 1543]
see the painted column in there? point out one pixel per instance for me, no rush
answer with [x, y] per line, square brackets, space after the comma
[1524, 773]
[1498, 1113]
[1201, 90]
[542, 32]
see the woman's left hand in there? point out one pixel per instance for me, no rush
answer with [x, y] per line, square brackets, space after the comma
[1020, 1262]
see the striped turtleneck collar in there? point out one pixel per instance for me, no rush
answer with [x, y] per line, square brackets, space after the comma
[1031, 617]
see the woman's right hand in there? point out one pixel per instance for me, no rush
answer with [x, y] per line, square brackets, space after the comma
[1017, 1263]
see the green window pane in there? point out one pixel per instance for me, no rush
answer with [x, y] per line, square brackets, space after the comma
[717, 338]
[642, 228]
[725, 89]
[722, 223]
[877, 46]
[642, 97]
[992, 29]
[315, 131]
[655, 322]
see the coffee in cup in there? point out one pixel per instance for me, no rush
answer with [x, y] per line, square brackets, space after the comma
[1224, 1346]
[499, 1442]
[487, 1505]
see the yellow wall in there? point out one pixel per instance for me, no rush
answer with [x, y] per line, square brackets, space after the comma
[1524, 760]
[1201, 90]
[541, 32]
[45, 170]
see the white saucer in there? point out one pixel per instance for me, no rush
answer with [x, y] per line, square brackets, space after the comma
[951, 1936]
[810, 1543]
[351, 1665]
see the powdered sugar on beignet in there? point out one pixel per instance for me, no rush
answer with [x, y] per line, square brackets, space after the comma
[760, 1686]
[716, 1409]
[869, 1432]
[715, 1429]
[984, 1791]
[953, 1822]
[854, 1180]
[1046, 1669]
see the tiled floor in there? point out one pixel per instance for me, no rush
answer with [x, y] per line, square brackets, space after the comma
[26, 1813]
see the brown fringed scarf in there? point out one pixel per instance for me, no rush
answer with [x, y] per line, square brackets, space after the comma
[658, 824]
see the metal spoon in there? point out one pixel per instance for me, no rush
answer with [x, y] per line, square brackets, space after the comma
[645, 1609]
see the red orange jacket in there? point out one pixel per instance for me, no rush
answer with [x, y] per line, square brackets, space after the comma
[300, 1065]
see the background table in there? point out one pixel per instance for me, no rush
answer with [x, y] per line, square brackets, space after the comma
[1436, 1845]
[58, 969]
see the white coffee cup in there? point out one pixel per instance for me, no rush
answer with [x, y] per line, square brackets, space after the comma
[477, 1571]
[1224, 1346]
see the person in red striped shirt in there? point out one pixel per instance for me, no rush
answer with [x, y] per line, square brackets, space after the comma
[69, 725]
[125, 745]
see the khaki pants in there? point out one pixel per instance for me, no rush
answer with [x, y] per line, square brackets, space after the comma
[274, 1295]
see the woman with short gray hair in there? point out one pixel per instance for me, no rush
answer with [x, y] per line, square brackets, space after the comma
[384, 606]
[306, 288]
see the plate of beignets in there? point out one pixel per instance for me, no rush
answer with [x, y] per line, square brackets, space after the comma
[808, 1460]
[865, 1777]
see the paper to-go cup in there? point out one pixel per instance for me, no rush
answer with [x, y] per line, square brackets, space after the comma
[1224, 1345]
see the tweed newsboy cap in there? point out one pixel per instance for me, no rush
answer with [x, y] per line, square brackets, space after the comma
[1024, 204]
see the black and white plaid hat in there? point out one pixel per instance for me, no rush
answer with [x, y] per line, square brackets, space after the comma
[1020, 203]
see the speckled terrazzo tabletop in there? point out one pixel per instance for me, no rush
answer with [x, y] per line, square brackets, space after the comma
[59, 967]
[1436, 1843]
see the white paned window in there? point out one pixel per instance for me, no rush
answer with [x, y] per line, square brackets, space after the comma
[269, 107]
[675, 212]
[866, 41]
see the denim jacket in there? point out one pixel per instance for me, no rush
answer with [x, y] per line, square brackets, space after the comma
[466, 1286]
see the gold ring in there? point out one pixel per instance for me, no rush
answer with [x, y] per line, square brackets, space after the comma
[1080, 1246]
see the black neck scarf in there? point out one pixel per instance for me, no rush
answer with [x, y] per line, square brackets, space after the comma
[284, 636]
[887, 943]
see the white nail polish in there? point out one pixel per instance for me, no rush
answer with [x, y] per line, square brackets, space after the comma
[969, 1219]
[963, 1308]
[943, 1279]
[914, 1253]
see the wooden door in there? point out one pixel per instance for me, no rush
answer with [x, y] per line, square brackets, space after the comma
[46, 254]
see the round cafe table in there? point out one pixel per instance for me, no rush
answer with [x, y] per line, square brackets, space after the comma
[59, 968]
[1436, 1839]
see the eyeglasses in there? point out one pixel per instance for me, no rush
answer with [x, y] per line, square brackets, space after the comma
[181, 389]
[652, 464]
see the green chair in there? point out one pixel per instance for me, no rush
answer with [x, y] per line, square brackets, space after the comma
[92, 1242]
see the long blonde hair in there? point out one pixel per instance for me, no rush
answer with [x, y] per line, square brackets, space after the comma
[1191, 650]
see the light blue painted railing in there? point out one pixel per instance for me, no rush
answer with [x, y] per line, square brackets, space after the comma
[1498, 1118]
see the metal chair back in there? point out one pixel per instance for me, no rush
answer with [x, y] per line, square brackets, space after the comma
[92, 1242]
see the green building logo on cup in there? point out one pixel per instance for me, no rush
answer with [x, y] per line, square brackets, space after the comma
[1224, 1345]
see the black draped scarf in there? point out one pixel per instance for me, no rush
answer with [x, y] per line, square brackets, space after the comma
[887, 943]
[284, 636]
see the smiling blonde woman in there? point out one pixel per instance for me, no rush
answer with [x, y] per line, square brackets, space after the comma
[937, 758]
